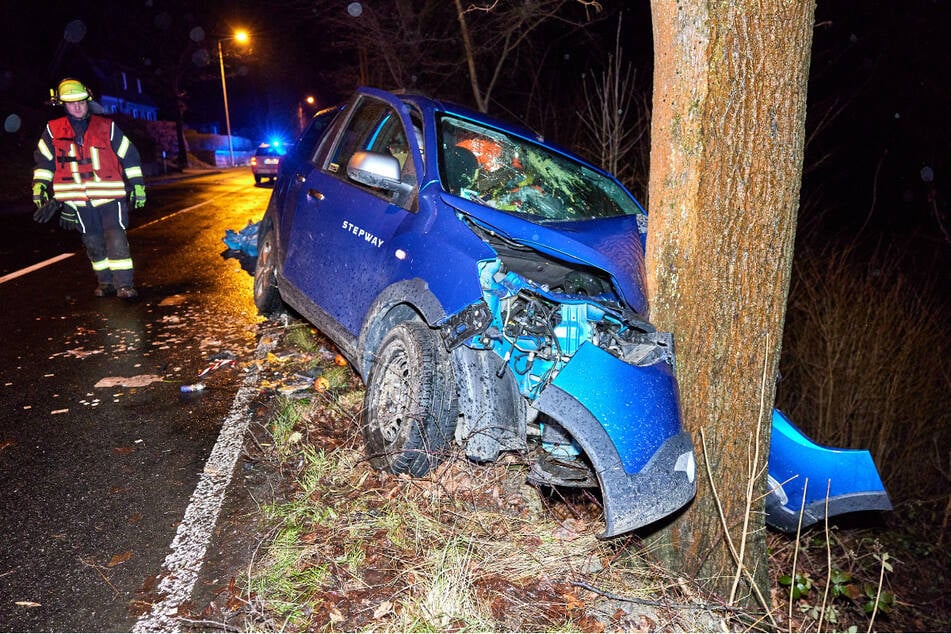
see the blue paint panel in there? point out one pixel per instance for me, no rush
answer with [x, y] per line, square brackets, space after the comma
[637, 406]
[794, 460]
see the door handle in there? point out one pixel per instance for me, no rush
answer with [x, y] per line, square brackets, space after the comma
[313, 193]
[300, 178]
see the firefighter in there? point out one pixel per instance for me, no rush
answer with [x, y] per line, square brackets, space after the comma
[90, 172]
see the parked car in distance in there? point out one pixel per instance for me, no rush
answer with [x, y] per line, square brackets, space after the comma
[265, 161]
[488, 287]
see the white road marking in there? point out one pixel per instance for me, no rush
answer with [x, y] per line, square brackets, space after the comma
[35, 267]
[188, 548]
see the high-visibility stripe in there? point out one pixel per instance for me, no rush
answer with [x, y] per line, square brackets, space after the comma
[121, 265]
[94, 157]
[133, 172]
[100, 265]
[40, 174]
[79, 218]
[105, 188]
[44, 149]
[123, 147]
[73, 165]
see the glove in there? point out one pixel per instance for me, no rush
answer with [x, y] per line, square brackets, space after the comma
[138, 196]
[68, 219]
[45, 212]
[41, 196]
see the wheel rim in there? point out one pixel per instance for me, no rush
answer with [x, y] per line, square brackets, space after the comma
[394, 397]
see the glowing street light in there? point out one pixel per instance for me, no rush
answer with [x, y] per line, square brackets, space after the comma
[241, 37]
[309, 99]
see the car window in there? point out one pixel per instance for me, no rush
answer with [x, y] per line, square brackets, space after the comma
[373, 127]
[512, 174]
[306, 146]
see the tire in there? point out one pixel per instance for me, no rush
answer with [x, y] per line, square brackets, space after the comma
[266, 296]
[257, 179]
[410, 407]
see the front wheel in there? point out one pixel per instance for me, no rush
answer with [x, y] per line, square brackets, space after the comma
[410, 408]
[266, 296]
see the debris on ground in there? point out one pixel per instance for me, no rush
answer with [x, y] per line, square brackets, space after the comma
[139, 380]
[245, 240]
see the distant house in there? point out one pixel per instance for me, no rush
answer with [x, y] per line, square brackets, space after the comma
[122, 93]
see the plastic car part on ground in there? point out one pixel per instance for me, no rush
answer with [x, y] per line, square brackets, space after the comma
[815, 482]
[245, 240]
[488, 287]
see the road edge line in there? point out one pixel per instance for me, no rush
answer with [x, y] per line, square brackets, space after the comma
[35, 267]
[188, 548]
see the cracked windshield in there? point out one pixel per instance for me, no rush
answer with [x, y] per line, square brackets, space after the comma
[510, 174]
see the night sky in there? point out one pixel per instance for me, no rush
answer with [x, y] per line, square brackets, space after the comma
[879, 68]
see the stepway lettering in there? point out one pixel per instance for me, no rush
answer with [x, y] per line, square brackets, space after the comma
[360, 233]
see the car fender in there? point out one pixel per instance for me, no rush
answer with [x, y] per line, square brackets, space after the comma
[817, 482]
[399, 302]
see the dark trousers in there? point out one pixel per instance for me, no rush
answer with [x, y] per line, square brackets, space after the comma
[107, 246]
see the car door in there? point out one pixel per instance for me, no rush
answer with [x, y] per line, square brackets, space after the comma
[340, 253]
[297, 164]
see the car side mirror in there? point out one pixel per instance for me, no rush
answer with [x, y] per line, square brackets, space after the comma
[376, 170]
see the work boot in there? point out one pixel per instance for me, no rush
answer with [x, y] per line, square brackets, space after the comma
[104, 290]
[127, 292]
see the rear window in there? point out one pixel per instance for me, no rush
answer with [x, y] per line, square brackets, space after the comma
[267, 151]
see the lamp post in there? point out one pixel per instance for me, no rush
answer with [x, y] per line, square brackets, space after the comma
[300, 113]
[240, 36]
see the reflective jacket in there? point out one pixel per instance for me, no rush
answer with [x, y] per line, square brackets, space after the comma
[90, 168]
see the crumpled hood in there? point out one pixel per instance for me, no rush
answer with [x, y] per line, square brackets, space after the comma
[610, 244]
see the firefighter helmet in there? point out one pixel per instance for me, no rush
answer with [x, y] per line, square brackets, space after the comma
[70, 90]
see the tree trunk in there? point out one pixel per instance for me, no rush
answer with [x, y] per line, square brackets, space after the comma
[727, 138]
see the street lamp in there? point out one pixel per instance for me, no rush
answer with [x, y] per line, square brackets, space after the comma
[241, 37]
[300, 112]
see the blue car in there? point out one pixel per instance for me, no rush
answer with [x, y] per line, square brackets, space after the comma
[488, 287]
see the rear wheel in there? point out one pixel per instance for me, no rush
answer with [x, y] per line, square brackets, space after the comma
[266, 296]
[410, 408]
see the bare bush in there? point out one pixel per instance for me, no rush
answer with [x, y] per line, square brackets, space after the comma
[864, 365]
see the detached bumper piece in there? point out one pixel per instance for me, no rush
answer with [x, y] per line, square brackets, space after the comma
[848, 477]
[643, 461]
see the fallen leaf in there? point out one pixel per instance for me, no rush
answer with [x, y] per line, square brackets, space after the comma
[172, 300]
[120, 559]
[140, 380]
[28, 604]
[383, 609]
[336, 616]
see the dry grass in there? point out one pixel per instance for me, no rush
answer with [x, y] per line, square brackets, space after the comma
[473, 548]
[469, 547]
[865, 366]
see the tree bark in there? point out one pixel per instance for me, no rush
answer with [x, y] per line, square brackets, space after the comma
[727, 137]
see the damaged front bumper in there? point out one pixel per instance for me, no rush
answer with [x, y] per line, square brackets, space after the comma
[626, 419]
[816, 481]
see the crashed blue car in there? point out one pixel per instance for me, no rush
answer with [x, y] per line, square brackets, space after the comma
[488, 288]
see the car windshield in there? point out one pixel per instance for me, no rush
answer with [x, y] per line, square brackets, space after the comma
[512, 174]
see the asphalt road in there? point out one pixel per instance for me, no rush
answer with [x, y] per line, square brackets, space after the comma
[100, 450]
